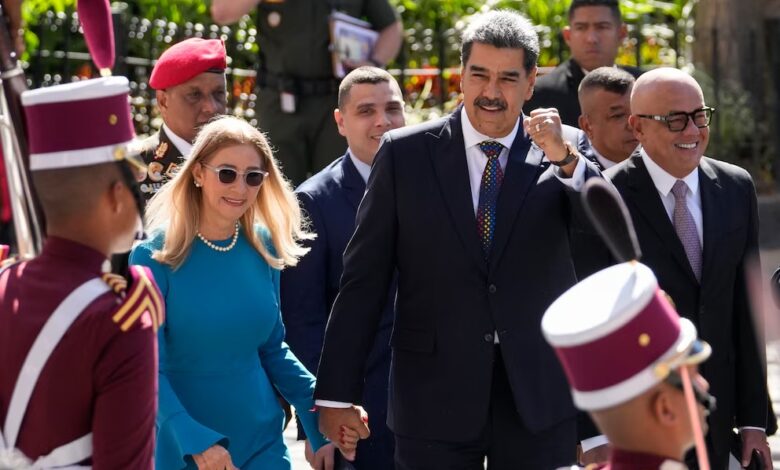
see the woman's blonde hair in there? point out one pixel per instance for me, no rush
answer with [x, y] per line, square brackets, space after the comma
[176, 208]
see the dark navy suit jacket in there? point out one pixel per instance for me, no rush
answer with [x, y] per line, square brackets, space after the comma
[330, 200]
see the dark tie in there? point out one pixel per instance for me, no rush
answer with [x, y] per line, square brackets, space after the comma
[686, 227]
[488, 194]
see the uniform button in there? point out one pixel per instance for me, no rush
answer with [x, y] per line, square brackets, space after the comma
[488, 337]
[492, 288]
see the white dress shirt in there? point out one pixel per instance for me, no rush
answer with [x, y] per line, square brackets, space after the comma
[477, 161]
[663, 182]
[184, 147]
[363, 168]
[605, 162]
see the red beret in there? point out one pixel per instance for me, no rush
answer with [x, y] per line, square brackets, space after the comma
[186, 60]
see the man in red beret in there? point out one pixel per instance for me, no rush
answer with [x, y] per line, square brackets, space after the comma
[189, 80]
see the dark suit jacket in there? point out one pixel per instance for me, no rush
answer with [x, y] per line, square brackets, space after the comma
[330, 200]
[418, 216]
[719, 306]
[558, 89]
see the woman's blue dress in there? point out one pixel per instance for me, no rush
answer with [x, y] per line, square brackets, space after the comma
[222, 354]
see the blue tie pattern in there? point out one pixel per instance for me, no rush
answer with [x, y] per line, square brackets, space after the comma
[488, 194]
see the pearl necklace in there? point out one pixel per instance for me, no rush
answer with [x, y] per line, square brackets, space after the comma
[217, 247]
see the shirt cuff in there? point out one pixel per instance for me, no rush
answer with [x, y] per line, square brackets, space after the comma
[752, 427]
[577, 179]
[332, 404]
[593, 442]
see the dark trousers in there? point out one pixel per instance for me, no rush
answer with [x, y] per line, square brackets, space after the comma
[505, 442]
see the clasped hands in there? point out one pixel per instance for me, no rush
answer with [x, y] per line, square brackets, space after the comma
[344, 427]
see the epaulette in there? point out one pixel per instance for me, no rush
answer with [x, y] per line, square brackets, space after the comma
[142, 301]
[117, 283]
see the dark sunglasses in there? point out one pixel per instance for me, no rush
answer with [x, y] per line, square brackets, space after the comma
[228, 175]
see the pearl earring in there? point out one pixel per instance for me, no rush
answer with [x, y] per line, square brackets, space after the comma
[197, 185]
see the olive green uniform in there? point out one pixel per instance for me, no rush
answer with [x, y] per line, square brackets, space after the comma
[294, 58]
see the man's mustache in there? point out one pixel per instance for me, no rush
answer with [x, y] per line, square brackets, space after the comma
[487, 102]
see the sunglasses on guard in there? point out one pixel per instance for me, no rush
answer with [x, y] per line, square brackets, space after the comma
[228, 175]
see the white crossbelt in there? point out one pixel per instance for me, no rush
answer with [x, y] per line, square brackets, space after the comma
[63, 457]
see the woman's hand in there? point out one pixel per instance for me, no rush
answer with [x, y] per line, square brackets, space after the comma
[323, 458]
[215, 457]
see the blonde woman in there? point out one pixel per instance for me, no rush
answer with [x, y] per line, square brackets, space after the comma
[222, 229]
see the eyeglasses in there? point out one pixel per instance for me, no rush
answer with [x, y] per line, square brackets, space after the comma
[678, 121]
[228, 175]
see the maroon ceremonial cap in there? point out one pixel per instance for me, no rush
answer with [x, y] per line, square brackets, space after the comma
[79, 124]
[186, 60]
[617, 335]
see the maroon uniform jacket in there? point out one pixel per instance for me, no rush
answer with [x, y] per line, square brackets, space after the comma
[100, 378]
[626, 460]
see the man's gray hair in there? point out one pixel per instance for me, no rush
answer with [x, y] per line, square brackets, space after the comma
[502, 29]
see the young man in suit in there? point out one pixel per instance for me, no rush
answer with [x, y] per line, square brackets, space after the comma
[697, 224]
[472, 212]
[370, 104]
[605, 99]
[594, 35]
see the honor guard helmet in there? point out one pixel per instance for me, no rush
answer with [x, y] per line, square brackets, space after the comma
[617, 335]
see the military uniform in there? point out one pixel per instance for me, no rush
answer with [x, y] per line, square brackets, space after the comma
[99, 378]
[621, 308]
[78, 380]
[295, 59]
[162, 159]
[627, 460]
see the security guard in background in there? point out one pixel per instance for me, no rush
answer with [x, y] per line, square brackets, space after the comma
[78, 380]
[298, 89]
[189, 79]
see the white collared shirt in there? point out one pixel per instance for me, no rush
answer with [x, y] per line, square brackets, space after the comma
[663, 182]
[477, 161]
[362, 167]
[184, 147]
[605, 162]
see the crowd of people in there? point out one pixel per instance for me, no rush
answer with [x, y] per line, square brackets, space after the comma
[436, 297]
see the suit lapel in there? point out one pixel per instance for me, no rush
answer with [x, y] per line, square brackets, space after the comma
[352, 182]
[522, 169]
[449, 163]
[709, 187]
[648, 202]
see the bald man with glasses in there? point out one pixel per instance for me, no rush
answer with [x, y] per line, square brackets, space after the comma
[697, 225]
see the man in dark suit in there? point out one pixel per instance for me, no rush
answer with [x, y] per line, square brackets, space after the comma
[594, 35]
[472, 212]
[697, 223]
[189, 84]
[370, 104]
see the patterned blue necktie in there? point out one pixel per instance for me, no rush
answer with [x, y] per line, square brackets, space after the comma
[488, 194]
